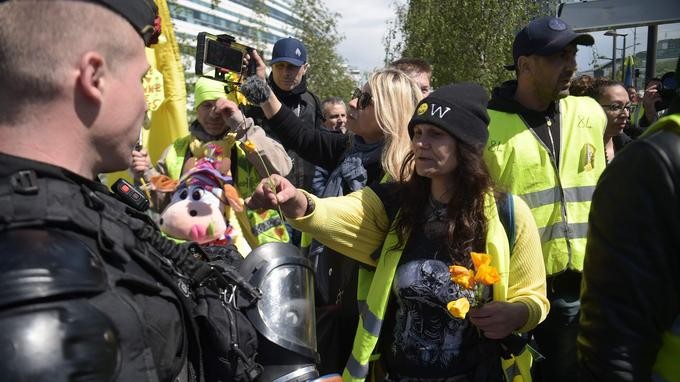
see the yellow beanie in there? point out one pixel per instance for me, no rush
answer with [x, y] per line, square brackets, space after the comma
[208, 90]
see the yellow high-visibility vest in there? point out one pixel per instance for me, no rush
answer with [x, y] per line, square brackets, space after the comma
[559, 198]
[374, 289]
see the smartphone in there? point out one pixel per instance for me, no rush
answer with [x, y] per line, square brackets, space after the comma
[217, 55]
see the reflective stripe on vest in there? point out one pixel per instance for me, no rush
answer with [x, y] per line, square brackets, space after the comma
[374, 290]
[264, 227]
[370, 321]
[561, 230]
[559, 199]
[552, 195]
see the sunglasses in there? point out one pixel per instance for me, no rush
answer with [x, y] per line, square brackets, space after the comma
[617, 107]
[363, 99]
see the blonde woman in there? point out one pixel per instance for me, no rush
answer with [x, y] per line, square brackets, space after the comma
[378, 139]
[374, 148]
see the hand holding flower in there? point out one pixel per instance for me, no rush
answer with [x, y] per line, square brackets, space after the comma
[474, 280]
[498, 319]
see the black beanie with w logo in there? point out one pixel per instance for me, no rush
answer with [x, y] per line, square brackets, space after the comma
[458, 109]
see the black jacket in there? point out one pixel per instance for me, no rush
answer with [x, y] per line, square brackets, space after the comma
[307, 108]
[318, 146]
[97, 298]
[631, 289]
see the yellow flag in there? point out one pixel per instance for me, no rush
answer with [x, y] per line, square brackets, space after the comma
[165, 93]
[169, 121]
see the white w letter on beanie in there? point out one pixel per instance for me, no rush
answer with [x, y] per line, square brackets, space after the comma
[438, 110]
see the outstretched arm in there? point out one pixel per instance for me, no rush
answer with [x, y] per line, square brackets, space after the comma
[354, 225]
[311, 142]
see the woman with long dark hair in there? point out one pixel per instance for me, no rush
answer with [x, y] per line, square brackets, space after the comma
[414, 233]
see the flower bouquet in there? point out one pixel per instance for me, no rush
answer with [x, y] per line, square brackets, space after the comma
[474, 280]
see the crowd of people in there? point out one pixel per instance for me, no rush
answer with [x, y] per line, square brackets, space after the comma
[529, 234]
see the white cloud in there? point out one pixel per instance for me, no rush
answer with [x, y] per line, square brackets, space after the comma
[363, 23]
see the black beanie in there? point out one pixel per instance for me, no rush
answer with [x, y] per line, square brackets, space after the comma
[459, 109]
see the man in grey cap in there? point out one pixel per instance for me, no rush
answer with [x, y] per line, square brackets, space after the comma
[87, 292]
[547, 147]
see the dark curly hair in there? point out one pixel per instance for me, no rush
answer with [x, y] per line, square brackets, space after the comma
[599, 86]
[581, 85]
[467, 225]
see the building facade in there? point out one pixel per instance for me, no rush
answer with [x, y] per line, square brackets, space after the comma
[256, 23]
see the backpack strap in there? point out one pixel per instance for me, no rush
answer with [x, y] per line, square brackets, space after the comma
[506, 213]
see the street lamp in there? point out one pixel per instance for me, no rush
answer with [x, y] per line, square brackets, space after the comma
[614, 35]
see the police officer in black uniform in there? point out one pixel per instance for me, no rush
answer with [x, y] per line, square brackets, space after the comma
[87, 288]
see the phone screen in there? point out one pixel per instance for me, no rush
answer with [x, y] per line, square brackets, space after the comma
[222, 56]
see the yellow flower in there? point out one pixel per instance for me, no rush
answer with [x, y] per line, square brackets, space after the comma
[462, 276]
[249, 146]
[480, 259]
[459, 308]
[487, 275]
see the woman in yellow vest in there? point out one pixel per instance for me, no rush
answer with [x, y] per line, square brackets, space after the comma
[410, 232]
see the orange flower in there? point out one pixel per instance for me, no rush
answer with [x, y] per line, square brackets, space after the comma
[462, 276]
[480, 259]
[249, 146]
[458, 308]
[487, 275]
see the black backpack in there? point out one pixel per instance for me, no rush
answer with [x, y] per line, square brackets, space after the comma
[229, 345]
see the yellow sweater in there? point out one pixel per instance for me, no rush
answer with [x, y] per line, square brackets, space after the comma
[356, 225]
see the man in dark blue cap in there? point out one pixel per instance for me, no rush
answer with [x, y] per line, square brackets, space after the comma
[288, 80]
[547, 147]
[87, 290]
[289, 63]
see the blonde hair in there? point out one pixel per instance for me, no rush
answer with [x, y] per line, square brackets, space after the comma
[395, 97]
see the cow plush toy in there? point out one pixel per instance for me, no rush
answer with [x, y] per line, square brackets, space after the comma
[204, 206]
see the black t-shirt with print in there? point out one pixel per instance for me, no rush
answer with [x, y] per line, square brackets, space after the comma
[419, 337]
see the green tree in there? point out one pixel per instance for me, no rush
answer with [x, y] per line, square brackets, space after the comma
[464, 40]
[328, 74]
